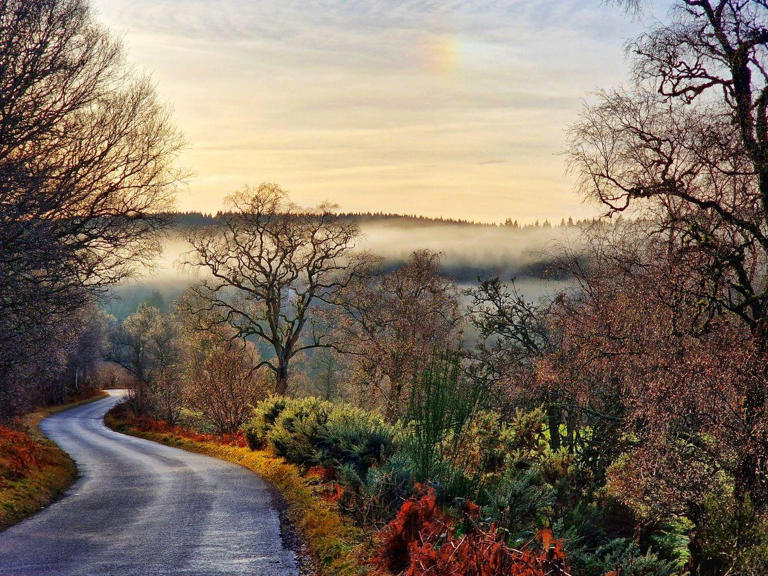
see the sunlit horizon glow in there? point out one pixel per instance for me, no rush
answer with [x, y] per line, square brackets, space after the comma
[450, 109]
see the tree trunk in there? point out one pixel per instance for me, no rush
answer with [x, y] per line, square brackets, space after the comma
[553, 423]
[281, 377]
[392, 411]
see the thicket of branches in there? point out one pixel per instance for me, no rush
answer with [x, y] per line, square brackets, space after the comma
[85, 166]
[268, 266]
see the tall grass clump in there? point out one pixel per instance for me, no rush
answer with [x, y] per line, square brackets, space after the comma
[441, 408]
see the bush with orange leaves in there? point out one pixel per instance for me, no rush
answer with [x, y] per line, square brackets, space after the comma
[33, 472]
[422, 541]
[18, 454]
[120, 417]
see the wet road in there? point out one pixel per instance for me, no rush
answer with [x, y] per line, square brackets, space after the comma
[144, 509]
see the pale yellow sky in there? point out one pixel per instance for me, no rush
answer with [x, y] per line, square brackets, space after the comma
[442, 108]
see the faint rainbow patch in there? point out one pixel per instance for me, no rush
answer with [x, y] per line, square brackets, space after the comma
[442, 53]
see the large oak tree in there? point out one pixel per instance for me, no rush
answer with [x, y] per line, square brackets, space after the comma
[268, 265]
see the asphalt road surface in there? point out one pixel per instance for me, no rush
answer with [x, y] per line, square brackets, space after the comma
[144, 509]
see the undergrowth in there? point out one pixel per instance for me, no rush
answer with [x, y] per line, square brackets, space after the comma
[34, 472]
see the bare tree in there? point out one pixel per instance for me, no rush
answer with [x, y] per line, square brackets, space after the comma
[132, 343]
[270, 264]
[689, 146]
[89, 330]
[151, 346]
[60, 360]
[513, 332]
[688, 150]
[396, 322]
[221, 379]
[132, 349]
[85, 156]
[511, 328]
[168, 352]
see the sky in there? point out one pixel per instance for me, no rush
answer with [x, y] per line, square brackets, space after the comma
[453, 108]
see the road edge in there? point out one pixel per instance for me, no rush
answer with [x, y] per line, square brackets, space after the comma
[327, 543]
[49, 481]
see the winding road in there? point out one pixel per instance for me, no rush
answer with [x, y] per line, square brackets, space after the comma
[144, 509]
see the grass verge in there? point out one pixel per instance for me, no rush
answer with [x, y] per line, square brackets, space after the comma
[337, 546]
[34, 471]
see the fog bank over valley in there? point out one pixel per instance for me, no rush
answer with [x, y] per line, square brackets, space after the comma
[532, 255]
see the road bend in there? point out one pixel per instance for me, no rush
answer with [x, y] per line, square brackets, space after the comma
[144, 509]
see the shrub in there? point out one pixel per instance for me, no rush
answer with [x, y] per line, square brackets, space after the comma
[355, 438]
[414, 516]
[673, 542]
[309, 432]
[732, 536]
[442, 406]
[623, 556]
[529, 432]
[453, 484]
[19, 453]
[264, 416]
[601, 539]
[33, 473]
[423, 541]
[298, 429]
[221, 382]
[520, 503]
[485, 447]
[376, 497]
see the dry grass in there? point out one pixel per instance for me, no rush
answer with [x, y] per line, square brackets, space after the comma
[38, 486]
[34, 472]
[336, 544]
